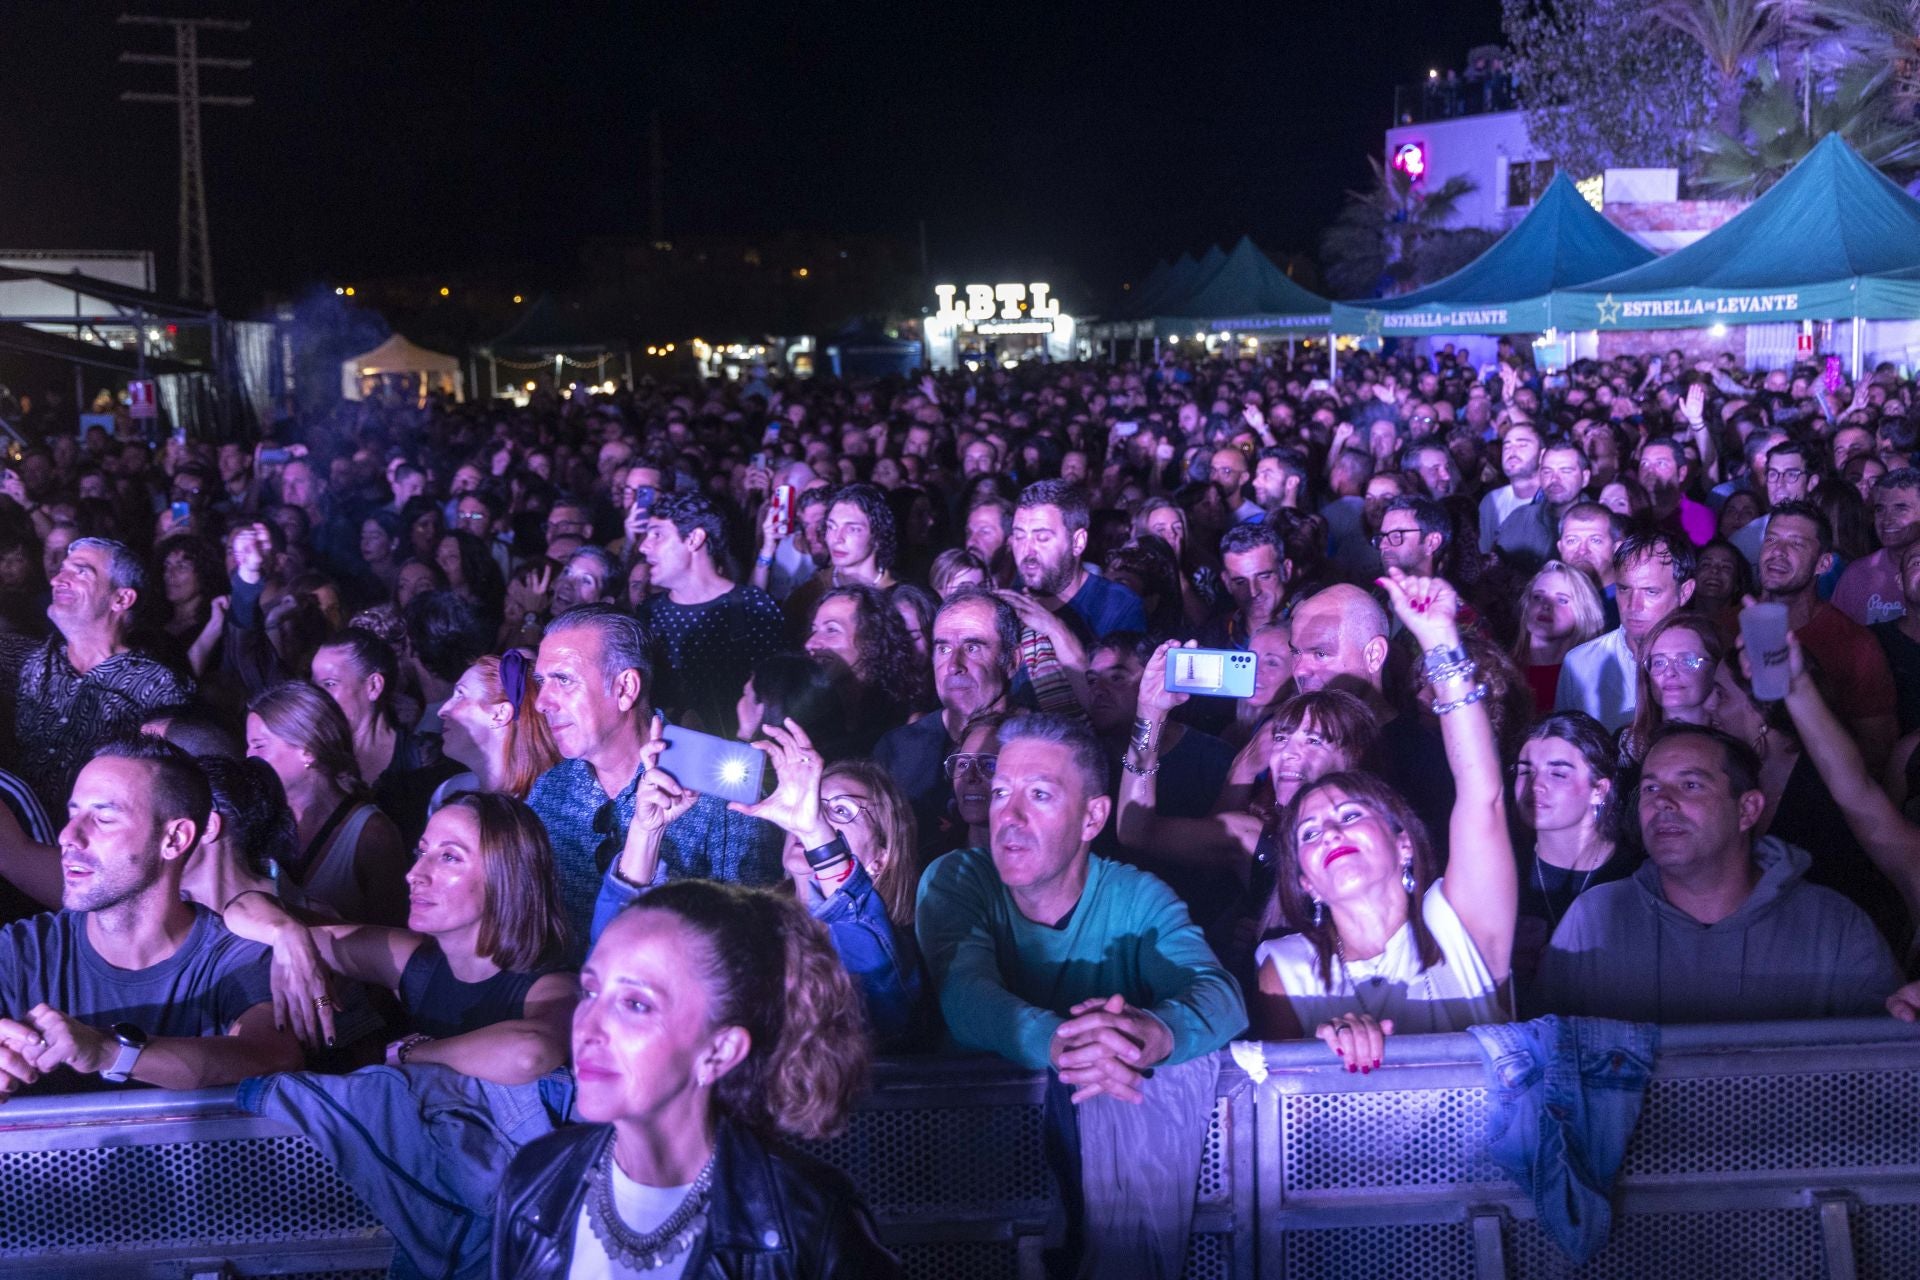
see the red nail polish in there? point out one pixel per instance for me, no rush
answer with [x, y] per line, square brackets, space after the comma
[1366, 1071]
[1342, 1052]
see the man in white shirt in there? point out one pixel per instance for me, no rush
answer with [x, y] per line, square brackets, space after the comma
[1655, 577]
[1520, 463]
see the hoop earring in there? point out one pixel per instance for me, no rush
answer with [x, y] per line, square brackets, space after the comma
[1407, 881]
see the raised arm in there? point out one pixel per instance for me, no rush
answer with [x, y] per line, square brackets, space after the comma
[1222, 840]
[1481, 883]
[1882, 830]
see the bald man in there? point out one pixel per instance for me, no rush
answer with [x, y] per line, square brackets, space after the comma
[1339, 641]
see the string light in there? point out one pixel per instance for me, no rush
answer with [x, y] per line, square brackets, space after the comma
[516, 299]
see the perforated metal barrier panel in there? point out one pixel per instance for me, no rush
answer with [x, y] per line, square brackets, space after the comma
[1788, 1151]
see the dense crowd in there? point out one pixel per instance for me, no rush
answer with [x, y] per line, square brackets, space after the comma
[341, 763]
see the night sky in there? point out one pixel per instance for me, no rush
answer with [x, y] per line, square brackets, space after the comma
[405, 138]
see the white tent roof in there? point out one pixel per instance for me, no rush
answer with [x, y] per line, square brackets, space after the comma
[396, 355]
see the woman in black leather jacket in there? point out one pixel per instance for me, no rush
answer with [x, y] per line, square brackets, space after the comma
[713, 1020]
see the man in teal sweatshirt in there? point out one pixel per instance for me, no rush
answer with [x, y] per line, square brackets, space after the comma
[1055, 958]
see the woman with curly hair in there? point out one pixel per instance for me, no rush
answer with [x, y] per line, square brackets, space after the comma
[859, 627]
[471, 572]
[192, 573]
[714, 1020]
[862, 542]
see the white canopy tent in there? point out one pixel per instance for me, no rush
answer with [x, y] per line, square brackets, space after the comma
[398, 356]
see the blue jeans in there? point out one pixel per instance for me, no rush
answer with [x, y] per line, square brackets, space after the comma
[1565, 1096]
[423, 1146]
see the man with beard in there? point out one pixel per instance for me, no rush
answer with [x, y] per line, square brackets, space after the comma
[975, 645]
[1665, 474]
[1717, 925]
[128, 981]
[1520, 463]
[1228, 471]
[1526, 538]
[1655, 575]
[1049, 537]
[1279, 479]
[989, 524]
[1797, 550]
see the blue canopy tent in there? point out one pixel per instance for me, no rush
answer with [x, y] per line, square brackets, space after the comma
[1563, 241]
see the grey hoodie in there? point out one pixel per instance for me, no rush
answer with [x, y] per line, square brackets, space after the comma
[1792, 950]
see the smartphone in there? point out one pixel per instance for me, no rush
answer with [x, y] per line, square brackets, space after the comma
[784, 496]
[1211, 673]
[1125, 429]
[772, 434]
[274, 457]
[643, 499]
[182, 513]
[715, 766]
[1319, 384]
[758, 461]
[179, 435]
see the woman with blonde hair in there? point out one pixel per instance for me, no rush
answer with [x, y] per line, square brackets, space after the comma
[352, 862]
[490, 724]
[713, 1021]
[1560, 608]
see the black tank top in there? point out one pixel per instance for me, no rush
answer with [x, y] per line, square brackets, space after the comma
[441, 1005]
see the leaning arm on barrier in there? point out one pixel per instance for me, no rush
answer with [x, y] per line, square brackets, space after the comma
[956, 938]
[48, 1038]
[519, 1050]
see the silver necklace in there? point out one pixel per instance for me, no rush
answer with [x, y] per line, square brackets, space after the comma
[656, 1248]
[1540, 878]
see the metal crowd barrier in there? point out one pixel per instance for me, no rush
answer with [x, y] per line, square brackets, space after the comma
[1787, 1150]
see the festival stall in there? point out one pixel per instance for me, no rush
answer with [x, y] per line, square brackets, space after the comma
[1834, 240]
[396, 357]
[1563, 241]
[1248, 296]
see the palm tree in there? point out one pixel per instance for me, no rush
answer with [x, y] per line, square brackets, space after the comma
[1732, 34]
[1387, 239]
[1878, 33]
[1782, 121]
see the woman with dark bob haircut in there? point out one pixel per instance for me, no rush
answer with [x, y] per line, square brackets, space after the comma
[1385, 942]
[713, 1021]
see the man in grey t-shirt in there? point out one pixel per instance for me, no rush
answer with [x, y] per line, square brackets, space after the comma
[128, 981]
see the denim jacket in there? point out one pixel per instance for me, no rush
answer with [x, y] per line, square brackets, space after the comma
[1565, 1096]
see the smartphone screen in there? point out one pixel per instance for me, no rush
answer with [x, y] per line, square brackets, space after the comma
[643, 499]
[715, 766]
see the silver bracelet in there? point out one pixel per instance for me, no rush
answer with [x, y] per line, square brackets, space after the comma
[1472, 696]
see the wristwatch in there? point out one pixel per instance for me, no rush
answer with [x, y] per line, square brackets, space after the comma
[133, 1042]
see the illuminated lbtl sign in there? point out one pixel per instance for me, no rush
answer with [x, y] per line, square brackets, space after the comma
[988, 301]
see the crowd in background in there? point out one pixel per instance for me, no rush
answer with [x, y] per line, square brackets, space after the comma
[344, 747]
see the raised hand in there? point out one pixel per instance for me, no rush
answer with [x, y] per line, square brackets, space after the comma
[794, 806]
[1428, 607]
[1153, 701]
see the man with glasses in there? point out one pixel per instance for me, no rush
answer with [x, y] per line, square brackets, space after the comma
[1227, 469]
[568, 518]
[1790, 474]
[595, 681]
[1413, 536]
[1797, 549]
[1655, 574]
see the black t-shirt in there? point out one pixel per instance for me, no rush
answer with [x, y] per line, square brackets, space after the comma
[1903, 657]
[441, 1005]
[703, 653]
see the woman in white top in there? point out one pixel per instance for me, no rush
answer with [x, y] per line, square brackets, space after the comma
[1365, 963]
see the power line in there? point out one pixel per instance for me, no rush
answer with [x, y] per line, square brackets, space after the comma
[196, 252]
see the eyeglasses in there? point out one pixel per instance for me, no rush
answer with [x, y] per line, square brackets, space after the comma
[1394, 537]
[474, 517]
[1661, 663]
[843, 811]
[1792, 475]
[606, 825]
[980, 763]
